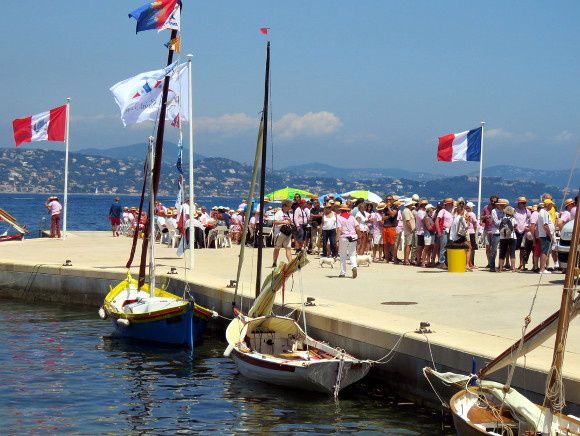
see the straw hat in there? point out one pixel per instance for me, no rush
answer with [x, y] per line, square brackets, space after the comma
[522, 200]
[408, 203]
[448, 200]
[344, 207]
[568, 202]
[415, 197]
[509, 211]
[503, 201]
[424, 202]
[381, 206]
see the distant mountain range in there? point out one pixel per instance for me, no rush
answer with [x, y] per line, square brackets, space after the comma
[37, 170]
[139, 151]
[557, 178]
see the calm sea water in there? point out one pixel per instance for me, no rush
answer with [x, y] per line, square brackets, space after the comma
[85, 212]
[61, 372]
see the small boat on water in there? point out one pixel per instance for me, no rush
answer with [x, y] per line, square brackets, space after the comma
[157, 316]
[11, 221]
[276, 349]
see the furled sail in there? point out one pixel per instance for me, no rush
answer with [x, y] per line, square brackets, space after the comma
[5, 216]
[532, 340]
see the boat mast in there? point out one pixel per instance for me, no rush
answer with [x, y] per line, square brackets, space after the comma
[553, 399]
[157, 162]
[260, 228]
[150, 171]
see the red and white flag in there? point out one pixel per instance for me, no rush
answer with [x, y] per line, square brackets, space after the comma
[264, 30]
[46, 126]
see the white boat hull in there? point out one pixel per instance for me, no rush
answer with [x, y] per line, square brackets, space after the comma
[319, 376]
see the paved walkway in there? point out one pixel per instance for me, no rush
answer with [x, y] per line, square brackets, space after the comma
[475, 311]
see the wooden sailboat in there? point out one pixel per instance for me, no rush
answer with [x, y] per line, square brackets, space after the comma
[493, 408]
[140, 310]
[276, 349]
[11, 221]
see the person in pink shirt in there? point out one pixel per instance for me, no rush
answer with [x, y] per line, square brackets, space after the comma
[300, 219]
[443, 224]
[536, 250]
[347, 231]
[487, 223]
[420, 230]
[566, 215]
[54, 209]
[522, 217]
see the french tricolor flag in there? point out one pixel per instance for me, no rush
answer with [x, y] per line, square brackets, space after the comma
[46, 126]
[460, 147]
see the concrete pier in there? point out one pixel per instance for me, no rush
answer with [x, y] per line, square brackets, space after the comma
[471, 314]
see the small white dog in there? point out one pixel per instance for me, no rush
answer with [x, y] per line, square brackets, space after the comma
[363, 259]
[327, 261]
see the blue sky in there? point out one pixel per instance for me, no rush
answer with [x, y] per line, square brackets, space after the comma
[354, 84]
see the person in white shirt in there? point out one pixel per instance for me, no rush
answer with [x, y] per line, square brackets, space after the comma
[545, 234]
[300, 220]
[283, 232]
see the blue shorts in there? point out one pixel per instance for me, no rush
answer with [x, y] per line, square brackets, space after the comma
[546, 244]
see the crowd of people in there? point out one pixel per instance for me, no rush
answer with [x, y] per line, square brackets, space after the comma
[406, 231]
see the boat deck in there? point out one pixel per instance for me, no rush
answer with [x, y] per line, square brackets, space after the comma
[471, 314]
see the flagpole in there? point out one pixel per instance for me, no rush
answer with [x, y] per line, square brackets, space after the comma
[66, 146]
[191, 200]
[480, 173]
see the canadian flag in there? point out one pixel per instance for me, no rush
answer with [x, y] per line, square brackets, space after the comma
[46, 126]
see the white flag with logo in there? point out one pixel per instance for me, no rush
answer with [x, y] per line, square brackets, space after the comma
[139, 97]
[173, 21]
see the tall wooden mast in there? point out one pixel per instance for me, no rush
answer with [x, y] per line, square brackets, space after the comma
[260, 227]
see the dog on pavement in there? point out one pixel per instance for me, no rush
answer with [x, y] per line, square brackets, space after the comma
[327, 261]
[363, 259]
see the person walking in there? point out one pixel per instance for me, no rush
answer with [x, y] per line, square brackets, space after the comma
[115, 212]
[347, 230]
[329, 224]
[54, 209]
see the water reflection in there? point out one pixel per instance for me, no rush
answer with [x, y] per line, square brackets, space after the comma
[61, 372]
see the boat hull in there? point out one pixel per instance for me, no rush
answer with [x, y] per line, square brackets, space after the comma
[181, 330]
[6, 238]
[319, 376]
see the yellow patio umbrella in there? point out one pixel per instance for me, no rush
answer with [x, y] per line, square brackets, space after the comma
[287, 193]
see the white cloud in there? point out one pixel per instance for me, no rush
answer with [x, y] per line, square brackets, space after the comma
[228, 124]
[564, 136]
[500, 133]
[311, 124]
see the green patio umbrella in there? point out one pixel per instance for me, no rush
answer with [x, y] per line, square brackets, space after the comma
[287, 193]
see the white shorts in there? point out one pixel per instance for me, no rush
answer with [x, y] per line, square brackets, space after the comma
[428, 239]
[378, 238]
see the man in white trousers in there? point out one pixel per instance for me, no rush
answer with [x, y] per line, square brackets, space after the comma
[347, 231]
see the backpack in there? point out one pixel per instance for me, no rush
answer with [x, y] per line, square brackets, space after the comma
[506, 228]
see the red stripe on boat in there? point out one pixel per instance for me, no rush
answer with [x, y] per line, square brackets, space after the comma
[268, 365]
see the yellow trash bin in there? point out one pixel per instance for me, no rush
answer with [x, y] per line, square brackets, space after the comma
[456, 259]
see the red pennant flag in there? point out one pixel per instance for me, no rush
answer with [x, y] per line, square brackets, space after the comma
[264, 30]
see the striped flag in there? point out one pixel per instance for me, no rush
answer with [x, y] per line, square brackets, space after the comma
[460, 147]
[46, 126]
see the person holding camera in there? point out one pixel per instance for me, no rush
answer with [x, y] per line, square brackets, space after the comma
[300, 219]
[348, 231]
[283, 231]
